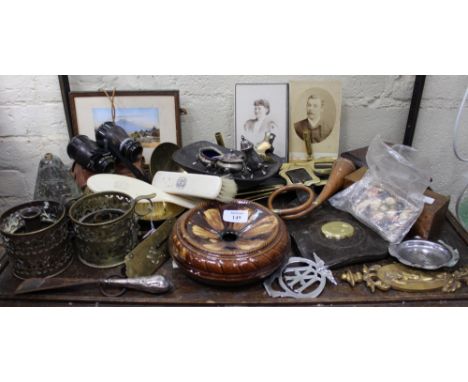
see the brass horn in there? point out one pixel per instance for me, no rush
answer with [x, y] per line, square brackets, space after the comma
[340, 169]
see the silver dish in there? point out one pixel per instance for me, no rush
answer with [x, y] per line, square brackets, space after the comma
[425, 254]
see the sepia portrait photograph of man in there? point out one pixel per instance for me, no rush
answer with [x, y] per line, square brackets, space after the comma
[318, 128]
[315, 107]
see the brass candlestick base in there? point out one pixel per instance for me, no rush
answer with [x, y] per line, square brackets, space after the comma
[337, 230]
[405, 279]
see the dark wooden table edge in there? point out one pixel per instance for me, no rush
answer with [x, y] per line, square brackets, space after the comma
[412, 299]
[417, 300]
[402, 304]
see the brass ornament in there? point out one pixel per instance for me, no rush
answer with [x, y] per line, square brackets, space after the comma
[337, 230]
[150, 254]
[308, 167]
[405, 279]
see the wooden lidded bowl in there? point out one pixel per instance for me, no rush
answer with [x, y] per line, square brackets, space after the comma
[213, 250]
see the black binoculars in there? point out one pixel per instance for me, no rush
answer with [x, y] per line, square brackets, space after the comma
[115, 139]
[112, 142]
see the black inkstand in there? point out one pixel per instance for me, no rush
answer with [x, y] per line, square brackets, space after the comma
[246, 166]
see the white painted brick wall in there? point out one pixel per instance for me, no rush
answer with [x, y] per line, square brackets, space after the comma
[32, 121]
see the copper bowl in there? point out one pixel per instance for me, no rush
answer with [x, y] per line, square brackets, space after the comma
[215, 251]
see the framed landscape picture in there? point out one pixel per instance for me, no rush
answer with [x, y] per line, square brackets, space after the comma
[150, 117]
[260, 109]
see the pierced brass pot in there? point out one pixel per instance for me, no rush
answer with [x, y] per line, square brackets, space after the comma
[36, 238]
[210, 247]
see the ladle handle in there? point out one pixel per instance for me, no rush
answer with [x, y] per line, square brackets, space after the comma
[149, 284]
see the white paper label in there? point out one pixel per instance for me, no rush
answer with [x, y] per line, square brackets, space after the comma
[428, 200]
[236, 216]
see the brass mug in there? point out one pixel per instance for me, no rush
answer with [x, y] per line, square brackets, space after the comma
[105, 227]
